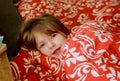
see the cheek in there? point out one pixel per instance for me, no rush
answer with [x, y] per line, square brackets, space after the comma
[43, 51]
[63, 40]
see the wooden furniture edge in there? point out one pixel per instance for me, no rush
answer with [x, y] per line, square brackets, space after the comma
[3, 48]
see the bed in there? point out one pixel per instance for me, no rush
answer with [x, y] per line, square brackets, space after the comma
[95, 55]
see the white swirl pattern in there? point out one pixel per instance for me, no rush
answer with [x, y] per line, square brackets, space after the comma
[74, 12]
[90, 54]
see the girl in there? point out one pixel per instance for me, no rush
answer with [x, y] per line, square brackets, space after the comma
[90, 53]
[46, 34]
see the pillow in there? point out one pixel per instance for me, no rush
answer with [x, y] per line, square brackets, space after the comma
[29, 62]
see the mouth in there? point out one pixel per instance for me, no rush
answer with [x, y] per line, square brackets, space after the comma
[57, 51]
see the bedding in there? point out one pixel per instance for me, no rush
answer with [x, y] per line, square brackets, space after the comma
[33, 66]
[94, 55]
[74, 12]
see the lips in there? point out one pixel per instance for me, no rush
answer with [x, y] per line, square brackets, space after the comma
[57, 51]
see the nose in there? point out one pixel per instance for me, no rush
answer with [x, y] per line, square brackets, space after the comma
[51, 44]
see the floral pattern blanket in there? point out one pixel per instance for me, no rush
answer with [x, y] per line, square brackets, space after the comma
[73, 12]
[92, 51]
[92, 54]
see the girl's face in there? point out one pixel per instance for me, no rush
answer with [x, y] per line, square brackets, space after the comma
[50, 45]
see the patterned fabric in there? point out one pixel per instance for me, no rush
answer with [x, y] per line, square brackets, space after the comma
[92, 54]
[30, 65]
[86, 57]
[74, 12]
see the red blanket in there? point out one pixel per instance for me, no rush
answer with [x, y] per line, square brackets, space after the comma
[94, 49]
[92, 54]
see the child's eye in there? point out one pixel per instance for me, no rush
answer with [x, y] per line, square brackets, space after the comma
[53, 35]
[42, 45]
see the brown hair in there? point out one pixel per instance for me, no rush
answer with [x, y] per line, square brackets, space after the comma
[46, 23]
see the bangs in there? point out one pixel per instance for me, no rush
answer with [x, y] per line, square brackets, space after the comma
[45, 28]
[51, 29]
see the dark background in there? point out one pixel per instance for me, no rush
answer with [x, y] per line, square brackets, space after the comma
[10, 21]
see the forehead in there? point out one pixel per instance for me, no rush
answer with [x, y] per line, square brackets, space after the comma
[40, 37]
